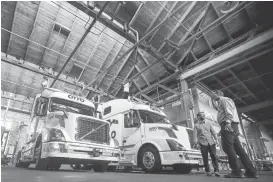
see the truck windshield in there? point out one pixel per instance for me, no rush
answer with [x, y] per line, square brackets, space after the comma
[151, 117]
[69, 106]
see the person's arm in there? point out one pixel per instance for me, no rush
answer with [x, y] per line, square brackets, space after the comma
[195, 135]
[214, 134]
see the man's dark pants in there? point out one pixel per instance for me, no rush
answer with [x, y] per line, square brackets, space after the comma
[205, 149]
[232, 147]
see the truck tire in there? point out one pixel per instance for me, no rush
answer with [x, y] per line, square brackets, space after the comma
[41, 164]
[100, 167]
[149, 159]
[75, 166]
[182, 168]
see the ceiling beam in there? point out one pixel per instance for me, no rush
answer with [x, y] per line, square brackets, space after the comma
[65, 43]
[146, 61]
[169, 89]
[149, 99]
[225, 58]
[36, 70]
[16, 110]
[201, 18]
[80, 42]
[144, 77]
[118, 70]
[12, 25]
[225, 87]
[209, 74]
[158, 82]
[112, 60]
[104, 19]
[16, 99]
[165, 18]
[32, 31]
[50, 35]
[125, 79]
[255, 107]
[99, 70]
[156, 17]
[178, 24]
[243, 84]
[222, 24]
[91, 55]
[256, 74]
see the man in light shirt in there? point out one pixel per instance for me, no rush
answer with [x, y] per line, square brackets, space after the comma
[206, 137]
[229, 121]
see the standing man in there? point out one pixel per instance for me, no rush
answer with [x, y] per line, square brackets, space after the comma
[229, 121]
[206, 137]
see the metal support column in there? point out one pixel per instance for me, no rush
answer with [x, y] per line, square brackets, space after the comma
[185, 103]
[244, 133]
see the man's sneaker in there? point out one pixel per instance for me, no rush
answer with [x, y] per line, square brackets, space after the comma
[233, 175]
[251, 175]
[217, 174]
[209, 174]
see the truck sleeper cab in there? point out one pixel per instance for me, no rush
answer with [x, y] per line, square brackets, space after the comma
[63, 130]
[147, 139]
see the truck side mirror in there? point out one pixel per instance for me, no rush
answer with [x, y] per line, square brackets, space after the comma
[40, 111]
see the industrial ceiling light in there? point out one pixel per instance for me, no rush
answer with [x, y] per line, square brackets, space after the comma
[229, 6]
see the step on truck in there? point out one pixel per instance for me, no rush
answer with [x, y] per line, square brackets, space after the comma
[147, 139]
[64, 130]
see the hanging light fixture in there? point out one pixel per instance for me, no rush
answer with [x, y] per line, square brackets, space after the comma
[229, 6]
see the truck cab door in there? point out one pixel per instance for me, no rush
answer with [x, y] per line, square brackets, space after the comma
[131, 135]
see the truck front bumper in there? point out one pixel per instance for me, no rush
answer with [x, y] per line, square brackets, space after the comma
[71, 153]
[169, 158]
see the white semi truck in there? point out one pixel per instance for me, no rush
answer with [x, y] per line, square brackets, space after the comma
[64, 130]
[147, 139]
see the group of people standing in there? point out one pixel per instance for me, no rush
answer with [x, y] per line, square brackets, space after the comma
[207, 139]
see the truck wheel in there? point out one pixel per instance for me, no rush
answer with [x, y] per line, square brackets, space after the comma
[41, 164]
[149, 159]
[75, 166]
[182, 168]
[100, 167]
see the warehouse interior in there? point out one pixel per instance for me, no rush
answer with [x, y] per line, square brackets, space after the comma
[173, 54]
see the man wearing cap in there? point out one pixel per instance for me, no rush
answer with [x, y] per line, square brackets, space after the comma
[229, 121]
[206, 137]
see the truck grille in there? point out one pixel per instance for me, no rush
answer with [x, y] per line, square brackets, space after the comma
[100, 134]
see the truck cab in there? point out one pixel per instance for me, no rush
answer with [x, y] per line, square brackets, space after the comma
[64, 130]
[147, 139]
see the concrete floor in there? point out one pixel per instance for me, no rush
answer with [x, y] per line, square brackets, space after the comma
[12, 174]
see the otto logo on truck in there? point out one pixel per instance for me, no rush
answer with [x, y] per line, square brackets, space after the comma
[75, 98]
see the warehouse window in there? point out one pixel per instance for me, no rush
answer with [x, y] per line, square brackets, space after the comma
[61, 29]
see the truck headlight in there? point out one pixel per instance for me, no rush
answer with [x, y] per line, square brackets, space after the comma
[174, 145]
[56, 135]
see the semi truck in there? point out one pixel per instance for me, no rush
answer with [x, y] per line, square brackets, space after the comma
[147, 139]
[64, 130]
